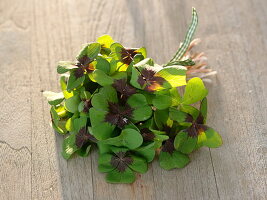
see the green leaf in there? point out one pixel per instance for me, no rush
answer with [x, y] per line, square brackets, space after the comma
[104, 163]
[118, 149]
[105, 95]
[113, 65]
[53, 98]
[142, 50]
[99, 102]
[147, 61]
[134, 77]
[175, 160]
[65, 66]
[101, 77]
[147, 152]
[54, 114]
[190, 110]
[100, 129]
[188, 38]
[85, 95]
[81, 106]
[136, 59]
[84, 151]
[69, 123]
[105, 41]
[141, 110]
[102, 148]
[160, 136]
[142, 113]
[184, 143]
[79, 123]
[115, 176]
[62, 126]
[149, 96]
[194, 91]
[115, 141]
[159, 139]
[58, 124]
[165, 98]
[57, 113]
[63, 85]
[175, 76]
[131, 126]
[129, 138]
[83, 51]
[109, 93]
[179, 116]
[119, 75]
[175, 96]
[69, 147]
[61, 111]
[204, 108]
[162, 101]
[146, 124]
[138, 164]
[91, 50]
[213, 139]
[103, 64]
[201, 138]
[161, 118]
[72, 103]
[116, 54]
[74, 82]
[116, 48]
[59, 128]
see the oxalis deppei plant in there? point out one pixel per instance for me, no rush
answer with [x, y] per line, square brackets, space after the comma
[120, 102]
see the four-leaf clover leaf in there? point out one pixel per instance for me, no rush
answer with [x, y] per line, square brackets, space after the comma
[121, 165]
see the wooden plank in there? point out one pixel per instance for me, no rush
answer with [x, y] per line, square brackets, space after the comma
[44, 53]
[15, 176]
[237, 48]
[15, 114]
[39, 33]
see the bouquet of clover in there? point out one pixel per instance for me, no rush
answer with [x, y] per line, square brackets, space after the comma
[128, 107]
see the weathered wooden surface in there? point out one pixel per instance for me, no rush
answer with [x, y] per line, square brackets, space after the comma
[35, 34]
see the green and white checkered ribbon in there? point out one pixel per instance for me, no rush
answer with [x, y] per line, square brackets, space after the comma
[188, 38]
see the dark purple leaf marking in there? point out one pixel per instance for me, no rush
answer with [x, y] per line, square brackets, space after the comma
[83, 137]
[121, 161]
[168, 146]
[127, 55]
[147, 77]
[197, 126]
[118, 115]
[87, 105]
[84, 65]
[147, 135]
[124, 88]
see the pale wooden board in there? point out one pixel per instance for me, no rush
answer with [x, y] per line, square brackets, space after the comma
[35, 34]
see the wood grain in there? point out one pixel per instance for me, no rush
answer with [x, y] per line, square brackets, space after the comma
[34, 35]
